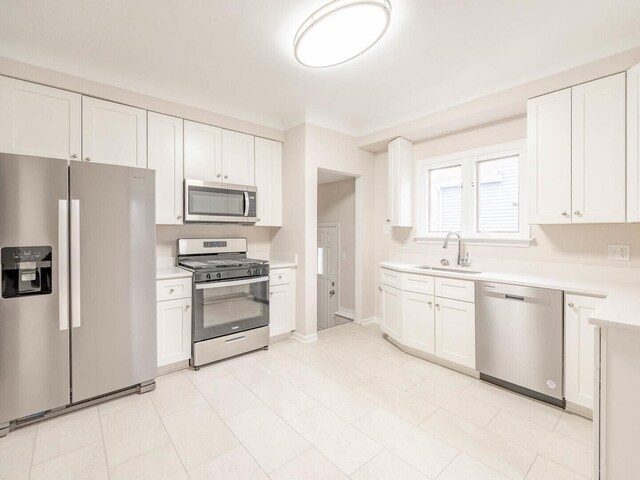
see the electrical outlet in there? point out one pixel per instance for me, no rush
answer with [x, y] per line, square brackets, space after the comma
[619, 252]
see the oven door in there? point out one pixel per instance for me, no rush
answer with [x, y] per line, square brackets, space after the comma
[232, 306]
[219, 202]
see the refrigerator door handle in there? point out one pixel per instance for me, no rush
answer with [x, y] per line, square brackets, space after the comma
[63, 265]
[75, 264]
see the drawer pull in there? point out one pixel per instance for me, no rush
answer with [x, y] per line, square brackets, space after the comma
[233, 340]
[171, 290]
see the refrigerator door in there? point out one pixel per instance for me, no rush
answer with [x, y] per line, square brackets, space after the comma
[34, 334]
[113, 270]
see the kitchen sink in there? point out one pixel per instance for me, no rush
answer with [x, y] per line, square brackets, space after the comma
[449, 270]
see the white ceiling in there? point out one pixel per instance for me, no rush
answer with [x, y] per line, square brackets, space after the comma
[235, 57]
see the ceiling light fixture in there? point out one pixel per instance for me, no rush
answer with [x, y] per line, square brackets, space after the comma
[340, 31]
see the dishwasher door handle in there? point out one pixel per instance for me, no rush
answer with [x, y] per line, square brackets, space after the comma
[514, 297]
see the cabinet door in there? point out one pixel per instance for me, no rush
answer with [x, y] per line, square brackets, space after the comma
[202, 152]
[113, 133]
[633, 144]
[174, 331]
[456, 331]
[165, 147]
[38, 120]
[549, 155]
[418, 321]
[599, 151]
[281, 304]
[579, 349]
[268, 179]
[238, 163]
[391, 308]
[400, 183]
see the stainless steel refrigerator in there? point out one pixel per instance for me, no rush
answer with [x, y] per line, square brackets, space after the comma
[78, 309]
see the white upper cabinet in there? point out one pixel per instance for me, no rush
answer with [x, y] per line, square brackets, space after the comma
[633, 144]
[113, 133]
[599, 150]
[549, 154]
[165, 152]
[202, 152]
[579, 338]
[400, 183]
[268, 180]
[38, 120]
[238, 161]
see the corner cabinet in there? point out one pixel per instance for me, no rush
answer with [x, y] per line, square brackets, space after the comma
[165, 156]
[576, 140]
[579, 345]
[40, 121]
[282, 301]
[633, 144]
[400, 186]
[174, 320]
[268, 179]
[113, 133]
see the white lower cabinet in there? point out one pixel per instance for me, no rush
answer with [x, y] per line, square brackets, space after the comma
[282, 301]
[579, 337]
[418, 328]
[174, 331]
[391, 308]
[456, 331]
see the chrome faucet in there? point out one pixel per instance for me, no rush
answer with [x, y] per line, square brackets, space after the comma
[462, 261]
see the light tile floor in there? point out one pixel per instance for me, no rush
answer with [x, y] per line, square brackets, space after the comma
[350, 406]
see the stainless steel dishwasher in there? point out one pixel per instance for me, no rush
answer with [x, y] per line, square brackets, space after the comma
[520, 339]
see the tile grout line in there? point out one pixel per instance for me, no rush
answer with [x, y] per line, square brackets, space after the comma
[104, 445]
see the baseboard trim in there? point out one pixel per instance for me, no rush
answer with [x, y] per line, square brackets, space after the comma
[346, 313]
[304, 338]
[370, 320]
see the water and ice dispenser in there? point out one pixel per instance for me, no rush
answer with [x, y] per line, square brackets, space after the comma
[26, 271]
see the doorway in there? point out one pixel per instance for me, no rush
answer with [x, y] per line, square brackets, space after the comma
[335, 249]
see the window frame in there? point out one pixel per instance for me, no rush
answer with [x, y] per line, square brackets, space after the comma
[469, 160]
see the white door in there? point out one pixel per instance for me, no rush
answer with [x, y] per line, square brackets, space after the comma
[633, 144]
[456, 331]
[38, 120]
[579, 349]
[599, 150]
[268, 179]
[174, 331]
[165, 150]
[391, 310]
[328, 254]
[549, 155]
[202, 152]
[280, 314]
[113, 133]
[238, 162]
[418, 321]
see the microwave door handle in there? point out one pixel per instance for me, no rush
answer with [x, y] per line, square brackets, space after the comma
[246, 204]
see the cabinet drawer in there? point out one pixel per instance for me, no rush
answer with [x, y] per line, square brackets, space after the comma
[414, 282]
[390, 277]
[464, 290]
[280, 276]
[173, 288]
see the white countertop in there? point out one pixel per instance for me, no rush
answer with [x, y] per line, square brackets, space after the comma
[165, 273]
[620, 307]
[282, 264]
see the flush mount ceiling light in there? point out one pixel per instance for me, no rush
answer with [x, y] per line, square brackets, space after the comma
[340, 31]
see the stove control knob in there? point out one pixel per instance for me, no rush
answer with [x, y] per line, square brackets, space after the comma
[218, 275]
[208, 276]
[258, 271]
[249, 272]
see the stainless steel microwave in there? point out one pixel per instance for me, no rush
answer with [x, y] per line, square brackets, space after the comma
[208, 202]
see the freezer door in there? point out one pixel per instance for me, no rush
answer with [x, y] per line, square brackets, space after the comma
[34, 334]
[113, 269]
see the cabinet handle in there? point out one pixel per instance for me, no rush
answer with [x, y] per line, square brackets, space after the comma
[438, 306]
[571, 305]
[87, 159]
[577, 212]
[74, 156]
[171, 290]
[388, 220]
[179, 217]
[380, 288]
[430, 303]
[271, 294]
[219, 175]
[565, 214]
[226, 176]
[186, 307]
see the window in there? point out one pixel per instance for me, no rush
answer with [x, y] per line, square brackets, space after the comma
[477, 194]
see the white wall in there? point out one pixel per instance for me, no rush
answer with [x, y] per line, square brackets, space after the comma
[337, 203]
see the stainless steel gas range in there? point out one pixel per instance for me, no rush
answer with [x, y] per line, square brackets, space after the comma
[230, 312]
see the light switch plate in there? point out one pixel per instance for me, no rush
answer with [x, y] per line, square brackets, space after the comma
[619, 252]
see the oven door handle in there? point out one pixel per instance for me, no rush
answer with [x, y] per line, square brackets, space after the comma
[234, 283]
[246, 204]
